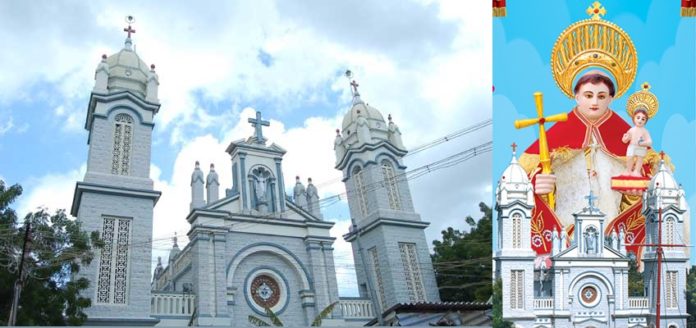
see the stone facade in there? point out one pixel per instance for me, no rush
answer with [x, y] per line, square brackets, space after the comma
[586, 283]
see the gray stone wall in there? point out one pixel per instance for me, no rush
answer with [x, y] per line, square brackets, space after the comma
[101, 153]
[91, 212]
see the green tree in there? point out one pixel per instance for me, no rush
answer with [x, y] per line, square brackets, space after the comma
[691, 295]
[56, 249]
[635, 278]
[498, 321]
[275, 320]
[462, 261]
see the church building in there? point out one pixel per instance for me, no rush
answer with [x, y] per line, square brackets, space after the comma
[252, 247]
[583, 282]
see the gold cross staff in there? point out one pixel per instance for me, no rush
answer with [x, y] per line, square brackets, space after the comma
[544, 157]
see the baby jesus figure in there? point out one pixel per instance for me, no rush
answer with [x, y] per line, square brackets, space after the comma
[638, 139]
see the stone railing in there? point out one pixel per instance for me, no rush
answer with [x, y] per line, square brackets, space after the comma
[543, 303]
[637, 302]
[356, 308]
[163, 303]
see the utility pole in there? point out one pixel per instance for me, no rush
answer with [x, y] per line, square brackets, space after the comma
[20, 279]
[368, 279]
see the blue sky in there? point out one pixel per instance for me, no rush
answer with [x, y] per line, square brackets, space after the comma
[666, 52]
[219, 62]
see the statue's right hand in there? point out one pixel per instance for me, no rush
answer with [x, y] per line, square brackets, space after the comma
[544, 183]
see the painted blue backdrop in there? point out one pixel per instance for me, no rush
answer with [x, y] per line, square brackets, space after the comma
[522, 43]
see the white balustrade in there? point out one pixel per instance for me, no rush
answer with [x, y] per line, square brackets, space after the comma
[357, 309]
[543, 303]
[637, 302]
[172, 304]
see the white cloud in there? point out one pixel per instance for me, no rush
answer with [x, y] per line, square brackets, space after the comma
[7, 126]
[429, 66]
[52, 191]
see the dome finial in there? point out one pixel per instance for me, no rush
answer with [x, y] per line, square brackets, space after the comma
[130, 20]
[354, 87]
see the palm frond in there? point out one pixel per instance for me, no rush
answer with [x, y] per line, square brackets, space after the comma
[323, 314]
[274, 318]
[257, 322]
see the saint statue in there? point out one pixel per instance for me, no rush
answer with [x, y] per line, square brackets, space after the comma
[582, 153]
[339, 147]
[260, 189]
[299, 194]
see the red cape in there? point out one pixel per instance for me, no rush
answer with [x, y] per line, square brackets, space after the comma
[575, 133]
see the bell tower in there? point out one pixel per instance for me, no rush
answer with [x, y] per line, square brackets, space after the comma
[116, 196]
[389, 246]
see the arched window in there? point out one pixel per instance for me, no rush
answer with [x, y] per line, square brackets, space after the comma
[671, 291]
[516, 230]
[123, 136]
[360, 190]
[412, 272]
[669, 231]
[389, 181]
[112, 278]
[517, 289]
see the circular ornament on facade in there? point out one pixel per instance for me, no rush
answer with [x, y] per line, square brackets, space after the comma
[265, 288]
[128, 72]
[589, 295]
[265, 291]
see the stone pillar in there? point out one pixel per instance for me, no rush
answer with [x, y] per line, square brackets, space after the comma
[242, 175]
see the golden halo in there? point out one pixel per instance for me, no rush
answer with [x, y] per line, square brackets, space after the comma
[590, 43]
[643, 99]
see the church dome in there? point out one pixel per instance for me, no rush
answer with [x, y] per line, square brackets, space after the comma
[514, 173]
[377, 127]
[663, 179]
[514, 185]
[127, 72]
[371, 114]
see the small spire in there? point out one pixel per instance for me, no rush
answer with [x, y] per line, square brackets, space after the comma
[212, 167]
[152, 68]
[175, 240]
[103, 58]
[198, 165]
[338, 132]
[389, 118]
[309, 180]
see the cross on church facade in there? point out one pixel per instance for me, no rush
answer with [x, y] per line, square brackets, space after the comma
[590, 198]
[258, 123]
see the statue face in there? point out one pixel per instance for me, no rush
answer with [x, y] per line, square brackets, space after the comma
[639, 119]
[593, 100]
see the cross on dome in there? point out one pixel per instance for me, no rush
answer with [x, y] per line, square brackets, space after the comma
[514, 147]
[129, 29]
[258, 123]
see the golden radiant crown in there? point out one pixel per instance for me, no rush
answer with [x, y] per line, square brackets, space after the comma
[594, 42]
[643, 99]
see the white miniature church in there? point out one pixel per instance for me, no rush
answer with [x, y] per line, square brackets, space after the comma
[586, 284]
[253, 247]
